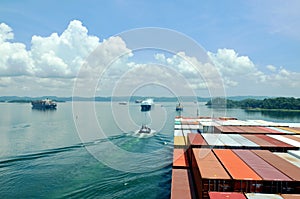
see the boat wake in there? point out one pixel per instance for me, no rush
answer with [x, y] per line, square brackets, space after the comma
[138, 134]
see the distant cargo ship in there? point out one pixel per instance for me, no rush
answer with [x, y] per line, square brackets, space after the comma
[43, 104]
[179, 107]
[147, 104]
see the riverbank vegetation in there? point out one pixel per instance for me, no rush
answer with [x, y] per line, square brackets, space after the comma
[278, 103]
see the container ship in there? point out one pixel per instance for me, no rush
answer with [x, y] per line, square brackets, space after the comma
[43, 104]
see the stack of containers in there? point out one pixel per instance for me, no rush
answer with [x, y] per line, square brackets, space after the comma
[208, 173]
[232, 165]
[243, 177]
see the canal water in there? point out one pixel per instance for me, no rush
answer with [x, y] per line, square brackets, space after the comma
[82, 154]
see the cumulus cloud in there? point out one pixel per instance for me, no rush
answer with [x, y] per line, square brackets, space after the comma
[53, 56]
[53, 60]
[271, 68]
[240, 71]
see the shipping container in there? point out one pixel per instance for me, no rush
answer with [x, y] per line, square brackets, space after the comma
[181, 186]
[293, 137]
[180, 142]
[177, 126]
[229, 142]
[282, 130]
[208, 173]
[259, 141]
[282, 165]
[290, 158]
[278, 143]
[262, 196]
[274, 181]
[196, 140]
[180, 159]
[213, 140]
[286, 140]
[226, 195]
[194, 127]
[178, 132]
[243, 141]
[244, 178]
[185, 126]
[260, 166]
[295, 153]
[270, 130]
[294, 129]
[290, 196]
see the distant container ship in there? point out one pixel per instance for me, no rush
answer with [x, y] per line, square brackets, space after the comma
[147, 104]
[43, 104]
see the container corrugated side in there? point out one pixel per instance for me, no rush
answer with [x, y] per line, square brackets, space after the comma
[181, 186]
[177, 132]
[180, 142]
[290, 196]
[293, 137]
[228, 141]
[295, 153]
[208, 173]
[244, 178]
[274, 181]
[262, 196]
[286, 140]
[260, 166]
[243, 141]
[294, 129]
[213, 139]
[259, 141]
[180, 159]
[226, 195]
[278, 143]
[288, 157]
[196, 140]
[282, 130]
[282, 165]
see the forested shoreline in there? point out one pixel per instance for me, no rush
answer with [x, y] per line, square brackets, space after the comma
[278, 103]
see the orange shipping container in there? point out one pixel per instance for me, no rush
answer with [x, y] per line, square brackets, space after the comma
[180, 158]
[245, 179]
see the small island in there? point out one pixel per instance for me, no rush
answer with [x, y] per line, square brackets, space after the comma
[270, 104]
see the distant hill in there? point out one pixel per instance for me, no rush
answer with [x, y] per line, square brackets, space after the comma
[25, 99]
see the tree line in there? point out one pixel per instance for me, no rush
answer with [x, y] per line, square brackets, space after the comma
[289, 103]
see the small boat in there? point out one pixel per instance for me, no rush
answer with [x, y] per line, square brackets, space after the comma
[123, 103]
[144, 129]
[138, 101]
[147, 104]
[179, 107]
[43, 104]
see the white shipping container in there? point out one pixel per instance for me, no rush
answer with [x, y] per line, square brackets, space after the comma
[286, 140]
[294, 153]
[243, 141]
[228, 141]
[213, 139]
[262, 196]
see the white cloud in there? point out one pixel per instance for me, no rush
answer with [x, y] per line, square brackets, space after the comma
[271, 68]
[54, 60]
[240, 72]
[62, 56]
[5, 33]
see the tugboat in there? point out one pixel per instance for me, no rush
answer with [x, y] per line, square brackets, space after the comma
[179, 107]
[43, 104]
[146, 105]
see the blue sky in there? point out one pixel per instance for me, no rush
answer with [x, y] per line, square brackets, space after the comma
[264, 33]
